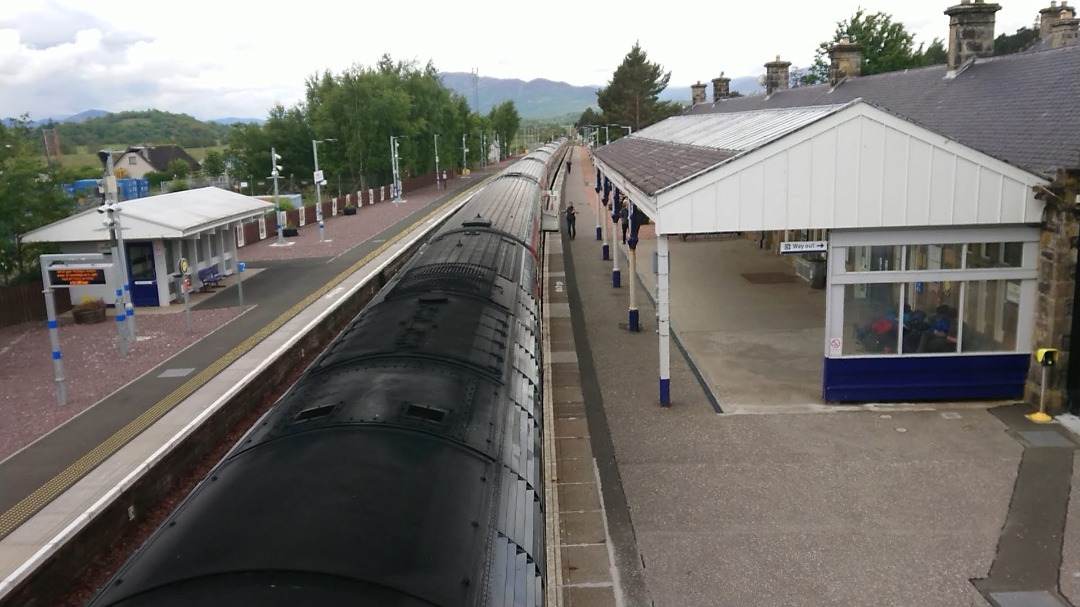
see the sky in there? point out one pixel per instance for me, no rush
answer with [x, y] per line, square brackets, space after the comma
[213, 59]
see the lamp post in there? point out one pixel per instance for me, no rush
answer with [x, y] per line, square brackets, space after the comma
[437, 162]
[124, 308]
[318, 182]
[395, 189]
[607, 135]
[275, 169]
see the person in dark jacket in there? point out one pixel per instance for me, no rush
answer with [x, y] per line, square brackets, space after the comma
[624, 220]
[567, 167]
[571, 220]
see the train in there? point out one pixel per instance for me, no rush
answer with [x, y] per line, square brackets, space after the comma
[404, 466]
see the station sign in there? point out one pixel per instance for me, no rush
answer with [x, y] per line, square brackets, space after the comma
[804, 246]
[77, 275]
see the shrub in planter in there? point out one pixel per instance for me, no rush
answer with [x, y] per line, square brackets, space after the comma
[349, 210]
[89, 310]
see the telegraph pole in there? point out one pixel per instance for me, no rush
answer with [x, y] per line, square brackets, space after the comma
[318, 182]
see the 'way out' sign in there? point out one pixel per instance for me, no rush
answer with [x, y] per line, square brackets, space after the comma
[804, 246]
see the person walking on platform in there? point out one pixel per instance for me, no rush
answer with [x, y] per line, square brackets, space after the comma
[571, 220]
[567, 167]
[624, 221]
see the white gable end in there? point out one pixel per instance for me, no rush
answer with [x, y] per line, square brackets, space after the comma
[860, 167]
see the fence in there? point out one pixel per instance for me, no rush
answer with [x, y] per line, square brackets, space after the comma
[26, 303]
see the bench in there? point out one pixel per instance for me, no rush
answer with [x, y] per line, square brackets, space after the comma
[209, 276]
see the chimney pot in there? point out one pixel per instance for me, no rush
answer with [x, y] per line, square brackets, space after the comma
[971, 31]
[776, 75]
[697, 93]
[721, 88]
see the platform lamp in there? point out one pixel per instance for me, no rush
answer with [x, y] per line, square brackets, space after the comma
[125, 310]
[319, 181]
[275, 172]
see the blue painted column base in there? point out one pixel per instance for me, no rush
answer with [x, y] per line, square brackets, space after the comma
[665, 392]
[604, 253]
[598, 233]
[616, 279]
[632, 321]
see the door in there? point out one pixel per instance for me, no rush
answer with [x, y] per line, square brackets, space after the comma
[143, 274]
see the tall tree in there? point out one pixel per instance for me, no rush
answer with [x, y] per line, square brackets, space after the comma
[631, 97]
[30, 197]
[886, 46]
[504, 122]
[214, 164]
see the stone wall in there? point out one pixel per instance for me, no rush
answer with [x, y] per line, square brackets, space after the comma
[1056, 279]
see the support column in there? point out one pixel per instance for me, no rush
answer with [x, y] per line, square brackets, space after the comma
[632, 318]
[599, 213]
[664, 323]
[616, 279]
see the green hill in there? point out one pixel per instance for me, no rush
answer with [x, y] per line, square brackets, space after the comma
[135, 128]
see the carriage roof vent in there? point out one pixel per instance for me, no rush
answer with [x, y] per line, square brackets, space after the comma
[478, 222]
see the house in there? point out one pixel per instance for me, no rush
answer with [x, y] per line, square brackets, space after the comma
[951, 185]
[137, 161]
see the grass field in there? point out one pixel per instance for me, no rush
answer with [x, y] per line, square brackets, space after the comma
[85, 157]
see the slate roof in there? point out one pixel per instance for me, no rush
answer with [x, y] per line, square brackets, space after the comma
[1022, 108]
[679, 147]
[651, 165]
[159, 156]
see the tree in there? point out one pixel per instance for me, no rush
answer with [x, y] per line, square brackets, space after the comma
[589, 117]
[631, 97]
[214, 164]
[504, 121]
[30, 197]
[886, 46]
[178, 168]
[1007, 44]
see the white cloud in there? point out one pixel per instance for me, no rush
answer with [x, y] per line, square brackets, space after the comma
[216, 58]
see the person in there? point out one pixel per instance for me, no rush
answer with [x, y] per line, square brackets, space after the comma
[567, 167]
[936, 338]
[571, 220]
[624, 221]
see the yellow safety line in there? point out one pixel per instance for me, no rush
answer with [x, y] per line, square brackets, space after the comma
[61, 482]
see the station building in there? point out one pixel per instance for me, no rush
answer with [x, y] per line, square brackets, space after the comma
[945, 197]
[202, 225]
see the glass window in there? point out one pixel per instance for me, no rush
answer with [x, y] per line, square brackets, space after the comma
[873, 259]
[141, 260]
[931, 314]
[934, 256]
[991, 315]
[995, 255]
[871, 319]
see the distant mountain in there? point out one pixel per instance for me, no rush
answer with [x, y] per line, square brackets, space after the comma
[538, 98]
[543, 98]
[235, 120]
[81, 116]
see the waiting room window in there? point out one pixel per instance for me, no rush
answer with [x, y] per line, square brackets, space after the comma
[995, 255]
[873, 259]
[935, 257]
[991, 315]
[871, 318]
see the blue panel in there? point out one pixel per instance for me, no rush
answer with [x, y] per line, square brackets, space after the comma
[913, 378]
[56, 354]
[52, 324]
[665, 391]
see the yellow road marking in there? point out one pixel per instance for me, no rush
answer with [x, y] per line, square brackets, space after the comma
[46, 493]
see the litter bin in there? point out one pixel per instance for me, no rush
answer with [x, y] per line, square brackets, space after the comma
[817, 274]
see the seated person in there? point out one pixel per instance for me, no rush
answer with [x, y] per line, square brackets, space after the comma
[936, 338]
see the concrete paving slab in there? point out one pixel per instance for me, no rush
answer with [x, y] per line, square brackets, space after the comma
[589, 596]
[573, 448]
[575, 471]
[583, 528]
[586, 564]
[578, 497]
[571, 427]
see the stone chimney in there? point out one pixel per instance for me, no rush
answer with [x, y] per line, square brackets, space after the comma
[1049, 16]
[971, 31]
[1064, 31]
[721, 88]
[697, 93]
[776, 75]
[845, 60]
